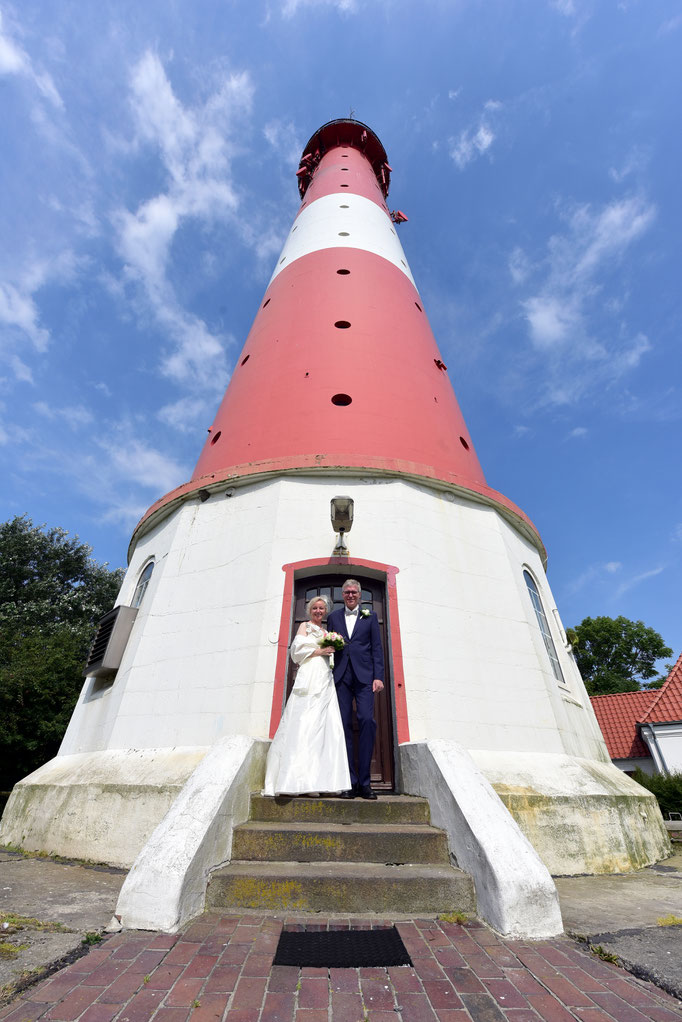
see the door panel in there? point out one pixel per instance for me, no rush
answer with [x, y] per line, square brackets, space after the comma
[374, 598]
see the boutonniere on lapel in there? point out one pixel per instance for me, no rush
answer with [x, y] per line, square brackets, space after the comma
[364, 612]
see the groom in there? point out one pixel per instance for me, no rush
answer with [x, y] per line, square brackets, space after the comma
[358, 674]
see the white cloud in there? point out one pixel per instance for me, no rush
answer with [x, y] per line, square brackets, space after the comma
[578, 433]
[637, 579]
[595, 573]
[476, 140]
[73, 415]
[671, 25]
[519, 265]
[568, 296]
[195, 149]
[15, 61]
[454, 93]
[19, 312]
[291, 7]
[283, 137]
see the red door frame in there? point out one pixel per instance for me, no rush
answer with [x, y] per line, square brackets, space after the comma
[389, 572]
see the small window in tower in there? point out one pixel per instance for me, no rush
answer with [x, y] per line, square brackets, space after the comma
[216, 438]
[341, 399]
[344, 234]
[344, 186]
[345, 168]
[342, 206]
[245, 360]
[266, 302]
[464, 444]
[343, 272]
[543, 626]
[342, 324]
[419, 306]
[142, 583]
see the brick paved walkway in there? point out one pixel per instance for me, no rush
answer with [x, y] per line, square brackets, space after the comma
[221, 967]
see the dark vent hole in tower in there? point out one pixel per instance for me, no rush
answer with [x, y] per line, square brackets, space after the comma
[344, 156]
[266, 302]
[342, 206]
[345, 168]
[245, 360]
[341, 399]
[464, 444]
[216, 438]
[342, 324]
[343, 272]
[344, 186]
[419, 306]
[344, 234]
[341, 949]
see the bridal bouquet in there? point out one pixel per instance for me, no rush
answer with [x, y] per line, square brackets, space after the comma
[332, 639]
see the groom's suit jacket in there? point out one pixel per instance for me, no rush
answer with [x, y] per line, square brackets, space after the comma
[363, 648]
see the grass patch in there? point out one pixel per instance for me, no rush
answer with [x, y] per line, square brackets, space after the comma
[29, 923]
[670, 920]
[91, 938]
[605, 955]
[7, 949]
[454, 917]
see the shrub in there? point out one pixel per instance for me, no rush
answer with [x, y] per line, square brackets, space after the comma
[667, 789]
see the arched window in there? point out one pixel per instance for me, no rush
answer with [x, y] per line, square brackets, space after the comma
[142, 583]
[544, 626]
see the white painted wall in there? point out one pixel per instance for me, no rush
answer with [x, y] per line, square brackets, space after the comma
[365, 226]
[669, 741]
[201, 660]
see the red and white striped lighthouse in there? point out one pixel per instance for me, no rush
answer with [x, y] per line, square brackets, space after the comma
[340, 389]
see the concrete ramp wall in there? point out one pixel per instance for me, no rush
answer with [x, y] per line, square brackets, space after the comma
[515, 893]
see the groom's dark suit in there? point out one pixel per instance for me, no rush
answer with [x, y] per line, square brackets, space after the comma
[359, 663]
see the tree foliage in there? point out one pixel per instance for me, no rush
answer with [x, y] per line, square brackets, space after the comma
[616, 654]
[52, 594]
[666, 788]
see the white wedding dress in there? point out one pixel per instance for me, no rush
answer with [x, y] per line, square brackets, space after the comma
[308, 753]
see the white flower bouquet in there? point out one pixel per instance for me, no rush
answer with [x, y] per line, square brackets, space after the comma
[332, 639]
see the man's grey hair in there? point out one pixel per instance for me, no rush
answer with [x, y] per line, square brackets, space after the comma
[351, 582]
[325, 599]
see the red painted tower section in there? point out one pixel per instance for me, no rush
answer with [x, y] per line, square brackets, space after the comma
[341, 368]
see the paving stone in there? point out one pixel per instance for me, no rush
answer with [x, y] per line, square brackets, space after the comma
[313, 992]
[377, 993]
[482, 1008]
[283, 978]
[277, 1007]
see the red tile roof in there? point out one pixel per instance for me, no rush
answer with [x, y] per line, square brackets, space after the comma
[619, 714]
[668, 702]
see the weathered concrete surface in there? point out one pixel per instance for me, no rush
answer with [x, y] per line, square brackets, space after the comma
[514, 891]
[596, 904]
[81, 898]
[621, 914]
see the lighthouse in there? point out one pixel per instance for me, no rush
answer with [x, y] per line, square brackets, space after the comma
[340, 394]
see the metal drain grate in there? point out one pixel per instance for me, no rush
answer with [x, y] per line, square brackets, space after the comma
[341, 949]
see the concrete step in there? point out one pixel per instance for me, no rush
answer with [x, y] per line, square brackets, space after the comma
[339, 842]
[397, 809]
[341, 887]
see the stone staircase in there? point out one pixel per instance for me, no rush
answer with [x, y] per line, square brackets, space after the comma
[340, 856]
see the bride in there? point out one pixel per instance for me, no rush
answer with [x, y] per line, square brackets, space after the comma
[308, 753]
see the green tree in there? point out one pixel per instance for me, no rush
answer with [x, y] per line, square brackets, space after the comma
[52, 594]
[616, 654]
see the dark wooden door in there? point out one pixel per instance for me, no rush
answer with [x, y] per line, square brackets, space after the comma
[374, 598]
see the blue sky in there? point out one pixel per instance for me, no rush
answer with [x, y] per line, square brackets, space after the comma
[147, 184]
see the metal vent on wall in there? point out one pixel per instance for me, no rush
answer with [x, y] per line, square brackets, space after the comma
[111, 639]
